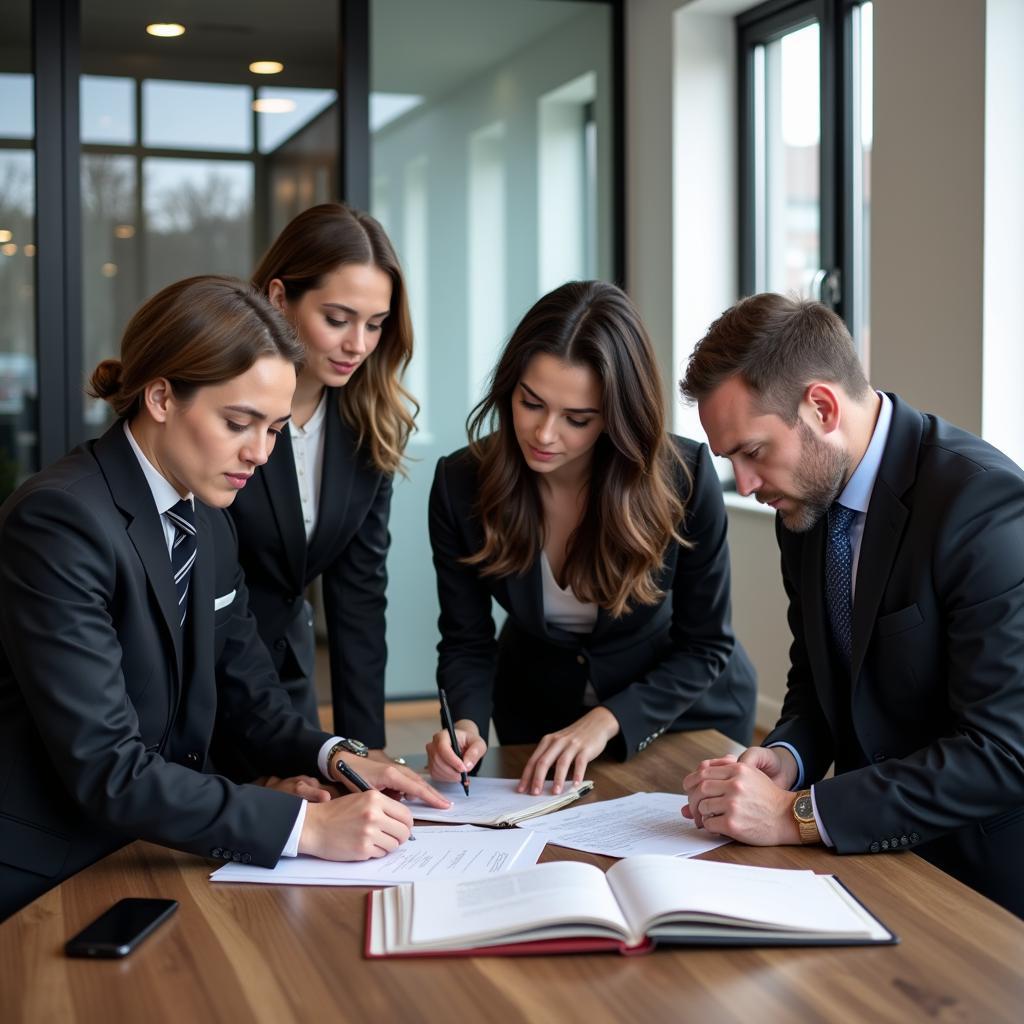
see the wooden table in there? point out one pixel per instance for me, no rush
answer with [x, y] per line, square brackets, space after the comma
[291, 953]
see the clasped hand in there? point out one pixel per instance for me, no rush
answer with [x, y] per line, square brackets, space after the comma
[746, 798]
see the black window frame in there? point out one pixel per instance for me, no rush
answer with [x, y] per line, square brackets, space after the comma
[766, 23]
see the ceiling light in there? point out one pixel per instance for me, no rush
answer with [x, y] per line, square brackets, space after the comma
[29, 250]
[5, 235]
[9, 249]
[165, 29]
[266, 67]
[273, 105]
[124, 231]
[109, 270]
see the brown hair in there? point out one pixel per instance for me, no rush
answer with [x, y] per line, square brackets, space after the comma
[314, 243]
[195, 333]
[632, 507]
[778, 345]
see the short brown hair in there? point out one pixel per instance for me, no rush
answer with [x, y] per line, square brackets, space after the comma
[316, 242]
[777, 345]
[194, 333]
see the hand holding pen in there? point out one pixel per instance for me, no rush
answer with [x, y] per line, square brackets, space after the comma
[446, 718]
[443, 763]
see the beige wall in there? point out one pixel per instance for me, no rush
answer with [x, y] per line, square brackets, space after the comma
[926, 256]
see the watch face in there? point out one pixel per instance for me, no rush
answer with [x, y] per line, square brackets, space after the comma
[355, 747]
[803, 808]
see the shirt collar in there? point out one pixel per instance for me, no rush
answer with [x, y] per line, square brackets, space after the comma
[315, 422]
[857, 492]
[165, 496]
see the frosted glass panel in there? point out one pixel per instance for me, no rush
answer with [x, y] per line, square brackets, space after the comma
[491, 171]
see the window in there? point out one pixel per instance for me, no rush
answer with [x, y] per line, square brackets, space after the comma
[805, 144]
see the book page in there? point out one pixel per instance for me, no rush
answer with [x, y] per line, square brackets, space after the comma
[438, 852]
[630, 825]
[491, 802]
[649, 888]
[468, 912]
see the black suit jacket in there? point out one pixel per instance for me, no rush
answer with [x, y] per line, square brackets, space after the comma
[929, 738]
[348, 550]
[675, 664]
[106, 708]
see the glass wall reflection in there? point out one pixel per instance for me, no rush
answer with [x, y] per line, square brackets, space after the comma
[18, 370]
[191, 161]
[491, 171]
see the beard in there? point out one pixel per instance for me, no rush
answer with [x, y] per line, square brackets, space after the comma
[817, 479]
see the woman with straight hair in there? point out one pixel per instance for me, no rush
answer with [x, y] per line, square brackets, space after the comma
[125, 631]
[603, 538]
[320, 507]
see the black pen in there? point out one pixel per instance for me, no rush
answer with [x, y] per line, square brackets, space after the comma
[348, 772]
[446, 717]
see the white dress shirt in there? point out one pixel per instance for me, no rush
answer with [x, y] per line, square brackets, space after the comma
[562, 608]
[308, 450]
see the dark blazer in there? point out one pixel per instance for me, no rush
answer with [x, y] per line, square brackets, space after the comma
[106, 708]
[929, 745]
[673, 665]
[348, 550]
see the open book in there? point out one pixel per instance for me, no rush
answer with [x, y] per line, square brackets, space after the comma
[495, 802]
[568, 907]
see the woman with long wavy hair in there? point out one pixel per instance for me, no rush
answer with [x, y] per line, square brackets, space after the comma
[603, 539]
[320, 507]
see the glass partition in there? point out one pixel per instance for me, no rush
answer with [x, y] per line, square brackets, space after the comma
[491, 171]
[18, 370]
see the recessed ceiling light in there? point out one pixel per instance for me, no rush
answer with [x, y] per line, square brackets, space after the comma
[10, 249]
[266, 67]
[124, 231]
[165, 29]
[109, 270]
[6, 235]
[273, 105]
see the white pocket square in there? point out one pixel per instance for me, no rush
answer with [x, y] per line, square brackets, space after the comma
[223, 602]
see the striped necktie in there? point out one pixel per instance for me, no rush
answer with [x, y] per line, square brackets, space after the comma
[183, 551]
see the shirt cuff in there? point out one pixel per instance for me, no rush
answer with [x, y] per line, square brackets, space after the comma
[291, 848]
[822, 831]
[321, 758]
[799, 763]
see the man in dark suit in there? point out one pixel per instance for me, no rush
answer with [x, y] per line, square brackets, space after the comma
[902, 541]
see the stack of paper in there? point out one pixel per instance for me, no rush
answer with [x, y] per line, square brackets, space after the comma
[495, 802]
[635, 824]
[438, 852]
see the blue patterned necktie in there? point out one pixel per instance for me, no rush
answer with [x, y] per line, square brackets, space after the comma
[183, 551]
[839, 577]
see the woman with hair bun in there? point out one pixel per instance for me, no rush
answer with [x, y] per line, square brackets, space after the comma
[125, 630]
[603, 538]
[320, 507]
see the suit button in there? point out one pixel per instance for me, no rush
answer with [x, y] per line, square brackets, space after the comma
[215, 852]
[894, 842]
[581, 659]
[904, 840]
[226, 854]
[192, 760]
[873, 847]
[914, 837]
[246, 857]
[236, 856]
[879, 758]
[885, 844]
[280, 644]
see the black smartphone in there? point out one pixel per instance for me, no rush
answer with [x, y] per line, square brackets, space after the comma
[117, 931]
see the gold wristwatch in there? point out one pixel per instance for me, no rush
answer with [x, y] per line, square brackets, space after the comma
[803, 814]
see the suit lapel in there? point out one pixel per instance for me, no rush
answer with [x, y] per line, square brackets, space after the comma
[816, 628]
[199, 626]
[340, 459]
[131, 494]
[526, 598]
[884, 525]
[282, 486]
